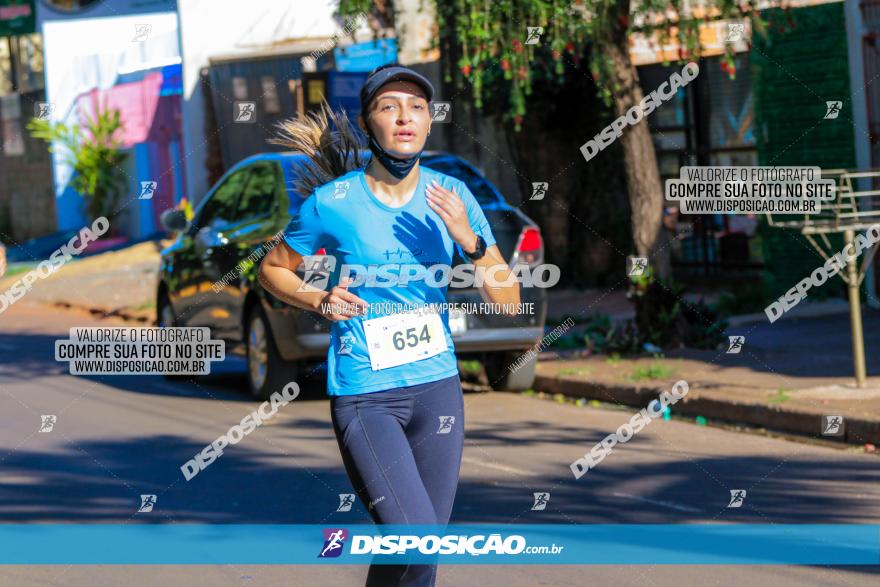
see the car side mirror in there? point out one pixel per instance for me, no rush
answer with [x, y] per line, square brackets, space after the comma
[174, 220]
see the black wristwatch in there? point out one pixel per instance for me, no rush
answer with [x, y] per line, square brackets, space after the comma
[481, 250]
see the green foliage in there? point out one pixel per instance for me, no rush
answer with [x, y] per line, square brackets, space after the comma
[471, 367]
[94, 154]
[749, 298]
[602, 335]
[780, 396]
[599, 333]
[16, 268]
[147, 305]
[665, 319]
[653, 371]
[576, 371]
[486, 40]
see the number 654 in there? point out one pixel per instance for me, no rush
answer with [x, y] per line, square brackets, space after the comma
[411, 338]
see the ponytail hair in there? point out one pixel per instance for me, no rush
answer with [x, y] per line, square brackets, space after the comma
[329, 140]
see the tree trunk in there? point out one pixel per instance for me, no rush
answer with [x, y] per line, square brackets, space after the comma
[640, 161]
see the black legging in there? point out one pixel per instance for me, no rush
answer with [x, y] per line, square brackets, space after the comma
[402, 453]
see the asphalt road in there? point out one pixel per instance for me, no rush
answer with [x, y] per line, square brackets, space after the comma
[122, 436]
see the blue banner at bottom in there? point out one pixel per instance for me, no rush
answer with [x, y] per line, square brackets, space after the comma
[565, 544]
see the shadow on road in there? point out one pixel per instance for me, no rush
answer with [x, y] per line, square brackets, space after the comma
[260, 481]
[33, 355]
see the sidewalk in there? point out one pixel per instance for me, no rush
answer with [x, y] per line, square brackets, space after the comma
[787, 375]
[118, 283]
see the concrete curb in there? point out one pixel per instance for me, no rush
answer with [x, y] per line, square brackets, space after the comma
[856, 430]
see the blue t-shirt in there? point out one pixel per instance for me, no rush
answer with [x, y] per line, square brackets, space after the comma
[354, 226]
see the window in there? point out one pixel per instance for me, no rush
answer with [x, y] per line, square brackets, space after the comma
[258, 198]
[11, 124]
[315, 90]
[21, 63]
[479, 185]
[271, 103]
[239, 88]
[220, 209]
[30, 62]
[296, 90]
[708, 122]
[6, 83]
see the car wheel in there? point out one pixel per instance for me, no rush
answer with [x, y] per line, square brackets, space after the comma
[502, 377]
[166, 318]
[267, 371]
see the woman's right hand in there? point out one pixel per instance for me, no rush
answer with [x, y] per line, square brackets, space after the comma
[340, 304]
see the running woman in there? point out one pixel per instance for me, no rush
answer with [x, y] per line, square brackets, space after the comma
[395, 394]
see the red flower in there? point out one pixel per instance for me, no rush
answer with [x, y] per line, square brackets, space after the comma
[505, 65]
[466, 69]
[517, 46]
[723, 66]
[623, 19]
[569, 47]
[522, 72]
[517, 119]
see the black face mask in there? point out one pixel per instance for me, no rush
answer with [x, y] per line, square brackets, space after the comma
[397, 167]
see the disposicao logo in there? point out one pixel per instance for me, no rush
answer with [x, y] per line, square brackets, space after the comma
[334, 540]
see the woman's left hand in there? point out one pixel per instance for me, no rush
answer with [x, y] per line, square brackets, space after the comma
[449, 206]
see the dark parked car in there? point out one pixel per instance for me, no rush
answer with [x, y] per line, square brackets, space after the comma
[206, 278]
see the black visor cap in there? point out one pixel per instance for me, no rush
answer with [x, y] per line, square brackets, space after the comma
[392, 73]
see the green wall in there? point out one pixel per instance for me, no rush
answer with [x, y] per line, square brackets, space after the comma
[800, 63]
